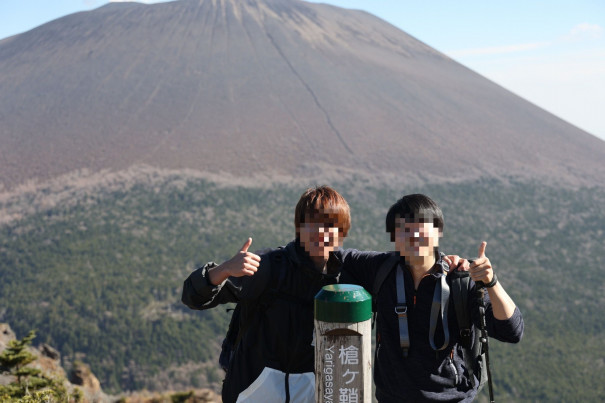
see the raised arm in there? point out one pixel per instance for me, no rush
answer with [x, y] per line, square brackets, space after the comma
[211, 285]
[243, 263]
[481, 270]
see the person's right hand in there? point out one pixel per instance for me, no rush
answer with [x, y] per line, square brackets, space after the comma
[243, 263]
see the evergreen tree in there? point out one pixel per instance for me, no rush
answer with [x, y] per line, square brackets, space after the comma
[30, 384]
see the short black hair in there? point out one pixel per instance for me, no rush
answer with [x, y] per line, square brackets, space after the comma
[414, 208]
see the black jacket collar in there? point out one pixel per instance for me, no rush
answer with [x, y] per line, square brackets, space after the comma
[301, 259]
[439, 268]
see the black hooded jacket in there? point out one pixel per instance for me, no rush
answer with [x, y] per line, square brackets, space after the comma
[279, 297]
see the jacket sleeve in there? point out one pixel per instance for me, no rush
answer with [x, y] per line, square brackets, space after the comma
[200, 293]
[508, 330]
[361, 267]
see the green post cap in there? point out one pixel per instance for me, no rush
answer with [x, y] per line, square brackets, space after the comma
[343, 303]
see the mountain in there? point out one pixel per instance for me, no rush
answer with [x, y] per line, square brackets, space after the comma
[270, 87]
[138, 142]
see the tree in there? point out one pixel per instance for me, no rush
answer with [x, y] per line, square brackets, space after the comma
[30, 384]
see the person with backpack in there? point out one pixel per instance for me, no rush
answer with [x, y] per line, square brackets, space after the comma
[271, 335]
[432, 322]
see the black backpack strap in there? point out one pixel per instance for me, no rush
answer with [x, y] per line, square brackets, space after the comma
[384, 270]
[475, 352]
[460, 289]
[382, 273]
[470, 351]
[439, 308]
[247, 321]
[483, 341]
[230, 338]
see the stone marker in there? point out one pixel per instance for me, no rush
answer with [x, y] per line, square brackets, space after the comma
[343, 359]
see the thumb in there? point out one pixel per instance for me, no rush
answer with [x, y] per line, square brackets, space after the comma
[246, 245]
[482, 249]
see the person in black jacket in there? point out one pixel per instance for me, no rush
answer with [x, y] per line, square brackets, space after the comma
[428, 365]
[274, 358]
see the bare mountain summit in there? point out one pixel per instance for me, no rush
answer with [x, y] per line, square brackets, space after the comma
[264, 86]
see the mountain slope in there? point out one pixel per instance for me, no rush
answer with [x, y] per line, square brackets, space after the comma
[267, 86]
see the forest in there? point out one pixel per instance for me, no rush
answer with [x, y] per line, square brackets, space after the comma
[98, 275]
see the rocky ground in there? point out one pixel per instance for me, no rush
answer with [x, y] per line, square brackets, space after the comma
[81, 377]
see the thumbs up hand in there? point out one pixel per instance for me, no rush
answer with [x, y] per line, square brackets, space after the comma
[481, 269]
[243, 263]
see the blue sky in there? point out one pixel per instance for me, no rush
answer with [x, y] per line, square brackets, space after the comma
[550, 52]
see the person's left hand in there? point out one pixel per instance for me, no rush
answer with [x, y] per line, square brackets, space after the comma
[481, 269]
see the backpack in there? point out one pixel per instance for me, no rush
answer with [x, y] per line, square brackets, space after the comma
[231, 338]
[476, 355]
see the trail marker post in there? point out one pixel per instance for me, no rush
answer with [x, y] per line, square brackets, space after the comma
[343, 357]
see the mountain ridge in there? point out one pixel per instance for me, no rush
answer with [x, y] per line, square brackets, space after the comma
[270, 87]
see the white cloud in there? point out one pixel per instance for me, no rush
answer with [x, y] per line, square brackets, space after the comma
[585, 31]
[496, 50]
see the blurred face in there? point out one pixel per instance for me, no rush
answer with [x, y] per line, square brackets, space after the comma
[319, 239]
[416, 239]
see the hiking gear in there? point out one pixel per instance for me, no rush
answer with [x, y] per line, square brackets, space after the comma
[484, 338]
[227, 347]
[441, 299]
[381, 275]
[476, 359]
[474, 354]
[401, 309]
